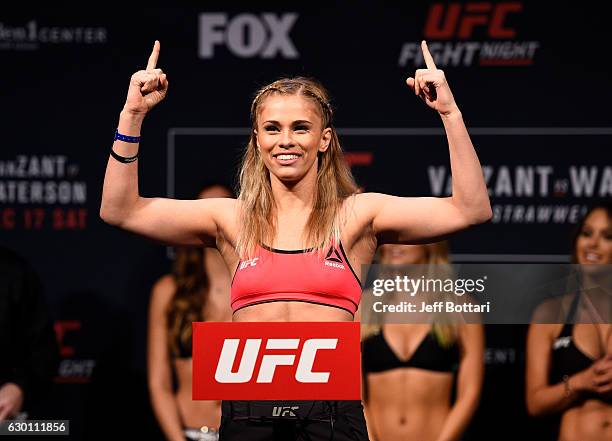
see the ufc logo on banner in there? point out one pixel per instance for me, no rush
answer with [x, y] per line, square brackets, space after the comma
[303, 372]
[457, 20]
[247, 35]
[276, 361]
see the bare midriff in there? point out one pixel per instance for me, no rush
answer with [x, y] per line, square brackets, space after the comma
[194, 413]
[409, 403]
[591, 421]
[280, 311]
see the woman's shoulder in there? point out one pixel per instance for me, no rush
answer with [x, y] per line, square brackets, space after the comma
[362, 204]
[547, 319]
[368, 204]
[226, 209]
[368, 198]
[550, 310]
[163, 289]
[221, 205]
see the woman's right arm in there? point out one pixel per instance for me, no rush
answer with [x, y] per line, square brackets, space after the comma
[178, 222]
[542, 397]
[468, 382]
[159, 362]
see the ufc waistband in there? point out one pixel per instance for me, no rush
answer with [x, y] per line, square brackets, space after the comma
[323, 411]
[284, 420]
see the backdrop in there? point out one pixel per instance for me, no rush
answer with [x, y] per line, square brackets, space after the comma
[530, 78]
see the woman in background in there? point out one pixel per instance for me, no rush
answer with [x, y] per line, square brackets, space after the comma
[196, 290]
[569, 345]
[410, 369]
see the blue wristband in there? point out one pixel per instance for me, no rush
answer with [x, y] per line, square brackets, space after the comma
[126, 138]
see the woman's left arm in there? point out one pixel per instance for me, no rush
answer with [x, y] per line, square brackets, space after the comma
[469, 383]
[397, 219]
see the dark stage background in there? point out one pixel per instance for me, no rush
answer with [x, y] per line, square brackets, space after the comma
[531, 79]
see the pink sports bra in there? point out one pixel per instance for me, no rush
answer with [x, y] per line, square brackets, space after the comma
[296, 275]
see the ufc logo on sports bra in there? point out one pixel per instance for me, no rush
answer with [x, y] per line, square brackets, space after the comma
[278, 360]
[562, 342]
[246, 263]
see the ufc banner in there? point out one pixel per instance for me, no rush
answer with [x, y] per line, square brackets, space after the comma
[276, 361]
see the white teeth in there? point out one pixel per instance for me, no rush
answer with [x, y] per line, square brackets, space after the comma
[592, 257]
[287, 157]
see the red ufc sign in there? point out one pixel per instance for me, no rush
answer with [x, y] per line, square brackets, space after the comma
[62, 327]
[358, 158]
[457, 20]
[276, 361]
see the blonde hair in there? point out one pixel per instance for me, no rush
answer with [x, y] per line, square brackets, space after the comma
[437, 260]
[334, 179]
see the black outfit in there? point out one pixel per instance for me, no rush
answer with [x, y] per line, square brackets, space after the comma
[28, 349]
[292, 420]
[273, 420]
[567, 359]
[377, 356]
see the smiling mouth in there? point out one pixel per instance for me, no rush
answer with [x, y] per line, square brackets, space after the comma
[591, 257]
[286, 156]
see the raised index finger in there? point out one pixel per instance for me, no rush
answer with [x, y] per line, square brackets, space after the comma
[429, 61]
[152, 63]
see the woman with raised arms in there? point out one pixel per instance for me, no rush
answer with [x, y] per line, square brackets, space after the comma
[297, 200]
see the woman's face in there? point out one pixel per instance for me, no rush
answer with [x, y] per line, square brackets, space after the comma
[594, 243]
[404, 254]
[290, 135]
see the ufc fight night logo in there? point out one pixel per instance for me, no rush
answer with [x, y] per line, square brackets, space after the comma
[456, 20]
[473, 33]
[247, 35]
[301, 361]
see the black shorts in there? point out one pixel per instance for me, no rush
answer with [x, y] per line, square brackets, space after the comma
[292, 420]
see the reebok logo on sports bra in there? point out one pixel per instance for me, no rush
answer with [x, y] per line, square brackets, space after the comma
[333, 259]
